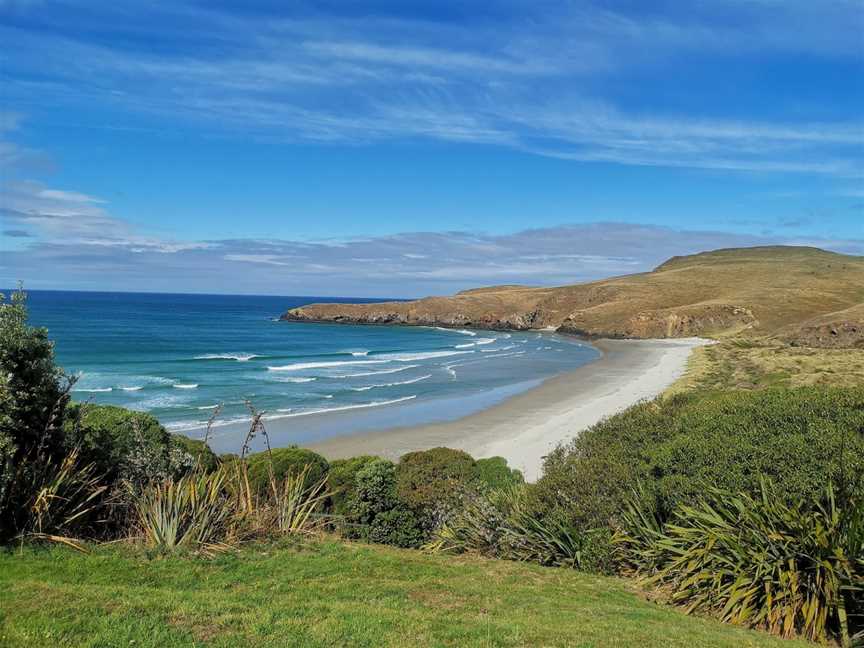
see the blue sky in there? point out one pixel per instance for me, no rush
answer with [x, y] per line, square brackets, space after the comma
[406, 148]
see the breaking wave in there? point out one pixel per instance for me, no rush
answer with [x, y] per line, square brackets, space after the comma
[392, 384]
[423, 355]
[375, 373]
[342, 408]
[239, 357]
[321, 365]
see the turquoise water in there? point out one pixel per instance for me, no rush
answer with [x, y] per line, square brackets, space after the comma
[179, 356]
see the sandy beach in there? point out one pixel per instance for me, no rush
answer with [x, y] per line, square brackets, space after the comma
[524, 428]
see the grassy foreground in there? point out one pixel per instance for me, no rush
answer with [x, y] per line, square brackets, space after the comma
[329, 594]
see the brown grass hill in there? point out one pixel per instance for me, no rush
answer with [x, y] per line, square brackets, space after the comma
[800, 295]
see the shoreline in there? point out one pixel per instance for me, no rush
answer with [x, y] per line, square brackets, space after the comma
[526, 427]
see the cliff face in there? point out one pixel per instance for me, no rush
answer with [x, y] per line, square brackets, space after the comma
[751, 291]
[840, 330]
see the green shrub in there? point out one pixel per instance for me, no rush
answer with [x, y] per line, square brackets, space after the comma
[130, 446]
[800, 438]
[495, 473]
[375, 511]
[200, 452]
[432, 482]
[33, 390]
[341, 478]
[756, 560]
[398, 527]
[33, 398]
[374, 491]
[285, 461]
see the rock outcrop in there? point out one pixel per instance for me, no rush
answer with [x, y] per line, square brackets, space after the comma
[802, 295]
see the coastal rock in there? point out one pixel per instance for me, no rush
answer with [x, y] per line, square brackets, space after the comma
[689, 321]
[804, 295]
[836, 335]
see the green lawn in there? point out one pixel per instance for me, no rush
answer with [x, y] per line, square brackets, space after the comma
[328, 594]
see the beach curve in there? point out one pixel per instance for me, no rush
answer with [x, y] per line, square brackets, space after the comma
[525, 428]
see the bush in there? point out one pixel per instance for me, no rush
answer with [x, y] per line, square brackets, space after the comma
[131, 446]
[375, 511]
[802, 439]
[398, 527]
[34, 390]
[756, 561]
[432, 482]
[286, 461]
[374, 491]
[200, 452]
[341, 478]
[33, 398]
[495, 473]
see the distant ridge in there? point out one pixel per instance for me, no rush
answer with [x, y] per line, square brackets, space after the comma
[801, 295]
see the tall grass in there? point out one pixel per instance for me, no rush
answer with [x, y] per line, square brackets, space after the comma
[756, 561]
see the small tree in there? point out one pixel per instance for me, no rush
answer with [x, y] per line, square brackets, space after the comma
[34, 393]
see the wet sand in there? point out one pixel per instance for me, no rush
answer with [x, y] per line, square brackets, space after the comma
[524, 428]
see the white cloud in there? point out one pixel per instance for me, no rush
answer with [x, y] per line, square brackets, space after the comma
[524, 83]
[67, 196]
[71, 218]
[409, 264]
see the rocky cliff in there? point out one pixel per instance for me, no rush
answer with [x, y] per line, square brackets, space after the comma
[798, 294]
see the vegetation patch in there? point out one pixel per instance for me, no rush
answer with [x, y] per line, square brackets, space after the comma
[758, 364]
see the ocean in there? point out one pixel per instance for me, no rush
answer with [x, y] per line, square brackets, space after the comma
[178, 357]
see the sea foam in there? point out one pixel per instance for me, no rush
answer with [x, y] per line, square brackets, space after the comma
[392, 384]
[423, 355]
[375, 373]
[342, 408]
[320, 365]
[451, 330]
[239, 357]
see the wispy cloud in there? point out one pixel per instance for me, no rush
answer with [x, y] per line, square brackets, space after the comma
[70, 218]
[524, 82]
[409, 264]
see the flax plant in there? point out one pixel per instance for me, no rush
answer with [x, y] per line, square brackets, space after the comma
[500, 524]
[295, 505]
[756, 561]
[194, 512]
[63, 500]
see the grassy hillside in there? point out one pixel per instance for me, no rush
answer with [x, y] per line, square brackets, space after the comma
[796, 294]
[329, 594]
[746, 364]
